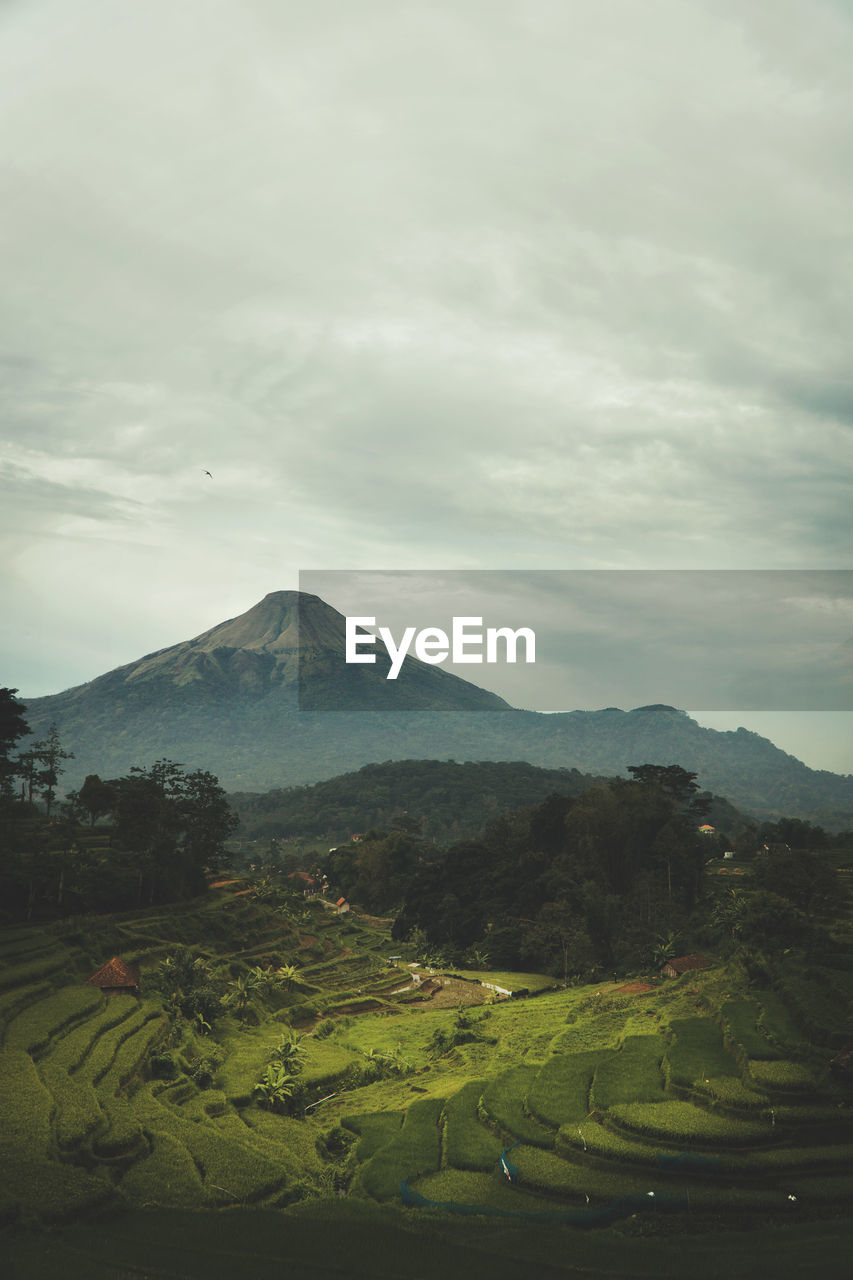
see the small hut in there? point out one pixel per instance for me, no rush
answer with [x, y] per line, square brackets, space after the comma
[682, 964]
[342, 906]
[116, 976]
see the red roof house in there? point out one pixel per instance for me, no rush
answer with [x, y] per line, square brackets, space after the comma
[682, 964]
[114, 976]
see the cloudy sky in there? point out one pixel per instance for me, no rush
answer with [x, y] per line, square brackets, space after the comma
[489, 284]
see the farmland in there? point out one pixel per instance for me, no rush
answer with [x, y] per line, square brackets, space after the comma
[705, 1090]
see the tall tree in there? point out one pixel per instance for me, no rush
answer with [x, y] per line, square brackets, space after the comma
[50, 753]
[12, 727]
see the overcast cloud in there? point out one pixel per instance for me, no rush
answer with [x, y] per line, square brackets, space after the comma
[507, 284]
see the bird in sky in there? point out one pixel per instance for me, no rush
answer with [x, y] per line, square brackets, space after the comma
[207, 473]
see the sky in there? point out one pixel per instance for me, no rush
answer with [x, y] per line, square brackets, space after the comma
[473, 285]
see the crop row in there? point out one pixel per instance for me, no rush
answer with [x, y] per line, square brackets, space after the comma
[70, 1050]
[414, 1150]
[467, 1143]
[558, 1093]
[33, 1028]
[503, 1102]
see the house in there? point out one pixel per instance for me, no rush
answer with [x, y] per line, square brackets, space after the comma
[342, 906]
[706, 829]
[116, 977]
[682, 964]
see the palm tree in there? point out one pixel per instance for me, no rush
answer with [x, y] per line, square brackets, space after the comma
[288, 1053]
[275, 1087]
[239, 996]
[286, 975]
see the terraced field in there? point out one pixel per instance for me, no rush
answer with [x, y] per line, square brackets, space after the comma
[699, 1091]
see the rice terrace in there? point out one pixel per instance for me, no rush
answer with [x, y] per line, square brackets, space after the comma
[683, 1119]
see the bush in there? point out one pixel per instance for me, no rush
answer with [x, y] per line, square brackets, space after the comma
[162, 1066]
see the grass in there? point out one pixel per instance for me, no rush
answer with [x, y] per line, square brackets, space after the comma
[631, 1075]
[559, 1092]
[676, 1122]
[374, 1131]
[467, 1143]
[77, 1109]
[413, 1151]
[783, 1075]
[503, 1103]
[33, 1028]
[741, 1020]
[540, 1068]
[696, 1053]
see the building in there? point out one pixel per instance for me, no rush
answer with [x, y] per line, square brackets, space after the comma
[706, 829]
[683, 964]
[116, 977]
[342, 906]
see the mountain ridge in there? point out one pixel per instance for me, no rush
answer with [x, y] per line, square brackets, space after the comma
[241, 700]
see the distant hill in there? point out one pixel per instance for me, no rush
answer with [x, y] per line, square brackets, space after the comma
[446, 801]
[233, 700]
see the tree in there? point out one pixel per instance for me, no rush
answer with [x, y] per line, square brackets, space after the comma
[275, 1087]
[679, 784]
[49, 753]
[95, 798]
[288, 1053]
[12, 727]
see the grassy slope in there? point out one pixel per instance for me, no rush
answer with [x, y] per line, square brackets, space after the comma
[578, 1076]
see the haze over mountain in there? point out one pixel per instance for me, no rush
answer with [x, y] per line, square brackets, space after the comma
[240, 700]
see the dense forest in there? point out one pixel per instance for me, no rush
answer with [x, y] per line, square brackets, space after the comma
[446, 801]
[585, 884]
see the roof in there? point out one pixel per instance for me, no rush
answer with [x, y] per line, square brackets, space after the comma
[115, 973]
[706, 826]
[340, 902]
[681, 964]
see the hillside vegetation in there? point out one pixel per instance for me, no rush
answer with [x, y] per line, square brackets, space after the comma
[706, 1088]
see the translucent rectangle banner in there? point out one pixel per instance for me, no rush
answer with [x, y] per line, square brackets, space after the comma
[554, 640]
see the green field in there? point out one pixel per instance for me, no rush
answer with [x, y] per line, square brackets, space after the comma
[125, 1105]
